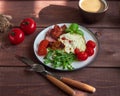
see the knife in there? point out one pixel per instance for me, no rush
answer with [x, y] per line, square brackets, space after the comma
[59, 81]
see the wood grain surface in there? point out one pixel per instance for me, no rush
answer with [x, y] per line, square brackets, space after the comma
[103, 73]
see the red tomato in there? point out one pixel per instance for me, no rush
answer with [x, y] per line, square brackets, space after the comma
[76, 51]
[91, 44]
[82, 56]
[42, 51]
[42, 48]
[28, 26]
[89, 51]
[44, 43]
[16, 36]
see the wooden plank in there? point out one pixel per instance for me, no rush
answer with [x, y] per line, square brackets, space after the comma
[109, 52]
[51, 12]
[106, 81]
[108, 55]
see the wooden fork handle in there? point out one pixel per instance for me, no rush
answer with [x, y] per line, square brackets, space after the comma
[61, 85]
[78, 84]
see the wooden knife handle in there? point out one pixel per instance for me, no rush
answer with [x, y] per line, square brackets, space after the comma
[61, 85]
[78, 84]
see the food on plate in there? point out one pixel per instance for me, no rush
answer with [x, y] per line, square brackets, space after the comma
[56, 31]
[74, 28]
[59, 59]
[73, 41]
[82, 56]
[63, 45]
[44, 43]
[42, 47]
[91, 43]
[56, 45]
[76, 51]
[16, 36]
[28, 26]
[90, 51]
[53, 34]
[42, 51]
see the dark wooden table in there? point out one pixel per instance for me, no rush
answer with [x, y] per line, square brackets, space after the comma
[103, 73]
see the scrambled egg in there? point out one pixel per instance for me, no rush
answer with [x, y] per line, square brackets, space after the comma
[72, 41]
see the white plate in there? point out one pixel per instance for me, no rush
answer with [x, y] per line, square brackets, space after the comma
[78, 64]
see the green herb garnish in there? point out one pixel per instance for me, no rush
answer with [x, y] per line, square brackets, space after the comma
[74, 28]
[59, 58]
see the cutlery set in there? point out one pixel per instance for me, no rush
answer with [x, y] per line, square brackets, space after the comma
[59, 81]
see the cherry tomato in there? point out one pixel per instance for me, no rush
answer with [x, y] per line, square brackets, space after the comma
[76, 51]
[82, 56]
[28, 26]
[42, 48]
[91, 44]
[44, 43]
[42, 51]
[89, 51]
[16, 36]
